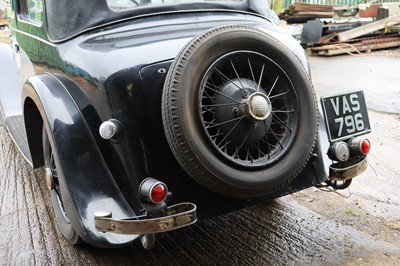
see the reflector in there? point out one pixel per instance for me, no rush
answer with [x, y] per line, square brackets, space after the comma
[365, 146]
[158, 193]
[153, 191]
[359, 146]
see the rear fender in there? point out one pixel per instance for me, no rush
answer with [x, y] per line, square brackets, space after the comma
[87, 184]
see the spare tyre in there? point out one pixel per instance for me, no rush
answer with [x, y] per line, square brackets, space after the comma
[239, 112]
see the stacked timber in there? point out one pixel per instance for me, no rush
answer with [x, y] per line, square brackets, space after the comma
[301, 12]
[377, 35]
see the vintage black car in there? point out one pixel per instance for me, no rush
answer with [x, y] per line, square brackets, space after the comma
[119, 99]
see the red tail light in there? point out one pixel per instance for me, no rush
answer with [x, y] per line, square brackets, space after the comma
[158, 192]
[359, 146]
[365, 146]
[152, 190]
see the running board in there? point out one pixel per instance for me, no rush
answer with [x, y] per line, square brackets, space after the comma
[16, 126]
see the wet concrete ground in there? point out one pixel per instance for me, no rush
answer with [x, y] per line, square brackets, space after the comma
[360, 226]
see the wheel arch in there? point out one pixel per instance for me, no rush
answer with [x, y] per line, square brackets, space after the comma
[47, 101]
[33, 126]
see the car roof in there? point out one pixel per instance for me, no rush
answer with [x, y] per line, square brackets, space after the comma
[65, 20]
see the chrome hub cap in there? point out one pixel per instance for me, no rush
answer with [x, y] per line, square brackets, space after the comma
[259, 106]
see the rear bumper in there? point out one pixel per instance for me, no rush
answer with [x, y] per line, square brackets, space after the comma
[175, 216]
[348, 170]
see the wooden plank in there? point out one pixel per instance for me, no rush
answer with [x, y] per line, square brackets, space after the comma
[4, 21]
[368, 28]
[362, 46]
[313, 14]
[299, 6]
[394, 28]
[306, 11]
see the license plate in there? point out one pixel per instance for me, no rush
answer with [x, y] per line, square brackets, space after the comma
[345, 115]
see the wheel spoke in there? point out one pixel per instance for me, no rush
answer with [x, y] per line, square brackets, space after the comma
[261, 75]
[228, 79]
[281, 111]
[212, 124]
[224, 147]
[280, 122]
[208, 110]
[230, 131]
[207, 96]
[273, 86]
[251, 70]
[265, 140]
[220, 93]
[215, 136]
[244, 140]
[275, 135]
[218, 105]
[249, 156]
[237, 75]
[277, 95]
[252, 146]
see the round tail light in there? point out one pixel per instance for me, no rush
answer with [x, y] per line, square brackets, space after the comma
[359, 146]
[152, 190]
[158, 193]
[365, 146]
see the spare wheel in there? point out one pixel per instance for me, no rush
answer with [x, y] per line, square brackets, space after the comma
[239, 112]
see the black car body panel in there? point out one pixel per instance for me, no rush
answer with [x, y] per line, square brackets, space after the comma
[85, 176]
[79, 69]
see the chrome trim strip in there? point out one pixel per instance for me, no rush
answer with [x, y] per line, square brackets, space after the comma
[34, 37]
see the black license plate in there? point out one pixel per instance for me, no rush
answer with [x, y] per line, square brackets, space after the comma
[346, 115]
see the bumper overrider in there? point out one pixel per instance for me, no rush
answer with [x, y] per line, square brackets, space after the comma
[345, 171]
[158, 218]
[175, 216]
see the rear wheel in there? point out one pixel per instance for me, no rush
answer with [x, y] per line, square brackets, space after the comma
[52, 173]
[239, 112]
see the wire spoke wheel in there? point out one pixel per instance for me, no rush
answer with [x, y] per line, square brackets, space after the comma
[53, 183]
[248, 108]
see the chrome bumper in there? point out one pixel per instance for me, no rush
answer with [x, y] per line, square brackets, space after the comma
[176, 216]
[342, 172]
